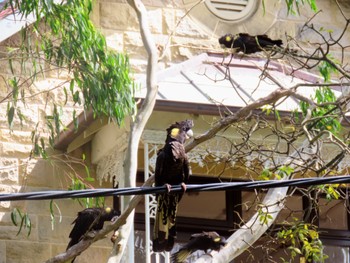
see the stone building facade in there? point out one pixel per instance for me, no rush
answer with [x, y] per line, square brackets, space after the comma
[190, 35]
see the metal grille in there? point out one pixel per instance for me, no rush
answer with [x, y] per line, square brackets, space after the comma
[231, 10]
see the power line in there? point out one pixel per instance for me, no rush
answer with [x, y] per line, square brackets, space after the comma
[233, 186]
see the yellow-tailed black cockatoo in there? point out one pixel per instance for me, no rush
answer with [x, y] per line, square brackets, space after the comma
[90, 219]
[172, 168]
[248, 44]
[204, 241]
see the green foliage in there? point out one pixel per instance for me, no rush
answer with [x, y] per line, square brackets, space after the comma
[326, 68]
[52, 213]
[302, 239]
[324, 119]
[268, 109]
[294, 5]
[264, 215]
[330, 191]
[64, 37]
[78, 184]
[22, 220]
[282, 172]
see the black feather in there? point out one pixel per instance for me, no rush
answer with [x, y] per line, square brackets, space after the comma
[87, 220]
[204, 241]
[248, 44]
[172, 168]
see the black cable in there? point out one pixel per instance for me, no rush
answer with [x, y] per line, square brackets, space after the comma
[233, 186]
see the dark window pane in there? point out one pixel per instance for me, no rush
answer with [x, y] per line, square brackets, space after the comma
[206, 205]
[333, 214]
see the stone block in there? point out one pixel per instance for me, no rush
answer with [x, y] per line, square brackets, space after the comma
[39, 173]
[9, 170]
[94, 254]
[58, 248]
[118, 16]
[8, 231]
[15, 150]
[27, 252]
[280, 29]
[260, 22]
[327, 9]
[2, 252]
[5, 205]
[23, 137]
[134, 46]
[54, 232]
[30, 112]
[41, 207]
[114, 39]
[155, 20]
[138, 65]
[177, 20]
[9, 188]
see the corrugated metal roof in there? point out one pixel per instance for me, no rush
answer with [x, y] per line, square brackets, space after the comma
[209, 79]
[201, 84]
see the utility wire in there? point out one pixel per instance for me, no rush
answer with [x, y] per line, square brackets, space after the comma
[232, 186]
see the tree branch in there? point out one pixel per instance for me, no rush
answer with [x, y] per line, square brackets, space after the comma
[85, 243]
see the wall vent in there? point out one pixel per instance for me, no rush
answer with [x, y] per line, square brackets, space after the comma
[231, 10]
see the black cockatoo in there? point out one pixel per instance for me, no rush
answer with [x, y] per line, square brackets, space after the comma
[90, 219]
[248, 44]
[203, 241]
[172, 168]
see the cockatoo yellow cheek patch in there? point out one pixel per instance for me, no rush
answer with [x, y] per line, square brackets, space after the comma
[175, 132]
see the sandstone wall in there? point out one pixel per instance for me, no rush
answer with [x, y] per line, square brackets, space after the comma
[192, 33]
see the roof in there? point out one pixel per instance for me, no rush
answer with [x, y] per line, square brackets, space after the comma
[208, 79]
[203, 83]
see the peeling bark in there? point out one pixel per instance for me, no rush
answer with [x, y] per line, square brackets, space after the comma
[137, 127]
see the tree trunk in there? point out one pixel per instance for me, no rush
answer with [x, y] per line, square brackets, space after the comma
[137, 126]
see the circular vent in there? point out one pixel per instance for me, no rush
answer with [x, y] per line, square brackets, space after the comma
[231, 10]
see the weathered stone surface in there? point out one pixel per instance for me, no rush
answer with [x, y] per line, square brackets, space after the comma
[114, 39]
[52, 90]
[95, 253]
[133, 45]
[9, 170]
[30, 111]
[15, 150]
[27, 251]
[260, 22]
[309, 36]
[9, 188]
[54, 232]
[6, 205]
[58, 248]
[8, 230]
[328, 9]
[178, 22]
[39, 173]
[118, 16]
[2, 252]
[155, 20]
[23, 137]
[280, 29]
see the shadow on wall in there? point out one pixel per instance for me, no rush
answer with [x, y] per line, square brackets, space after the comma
[48, 235]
